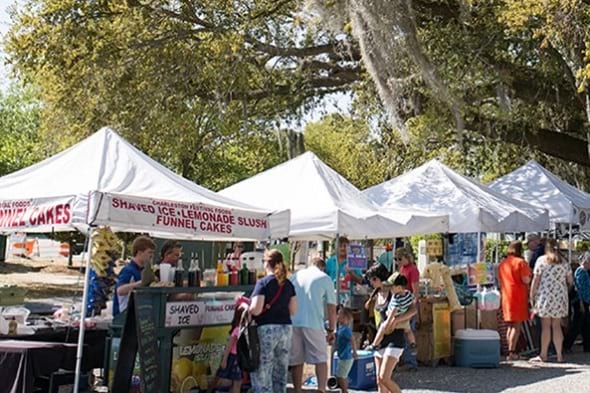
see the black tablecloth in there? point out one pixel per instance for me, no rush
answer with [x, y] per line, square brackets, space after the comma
[23, 361]
[94, 342]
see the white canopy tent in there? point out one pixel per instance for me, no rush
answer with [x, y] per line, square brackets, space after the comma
[104, 180]
[534, 184]
[324, 204]
[471, 206]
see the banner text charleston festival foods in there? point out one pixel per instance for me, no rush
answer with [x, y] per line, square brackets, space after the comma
[191, 216]
[15, 214]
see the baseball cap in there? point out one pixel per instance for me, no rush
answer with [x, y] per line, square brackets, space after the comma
[391, 279]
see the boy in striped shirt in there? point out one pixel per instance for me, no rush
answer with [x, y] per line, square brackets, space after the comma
[401, 300]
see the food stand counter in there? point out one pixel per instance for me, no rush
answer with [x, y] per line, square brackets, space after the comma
[183, 340]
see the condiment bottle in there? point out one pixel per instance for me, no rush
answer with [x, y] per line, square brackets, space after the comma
[12, 327]
[244, 275]
[194, 273]
[233, 277]
[179, 274]
[221, 276]
[251, 277]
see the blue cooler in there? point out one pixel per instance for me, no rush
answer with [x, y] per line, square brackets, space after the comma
[362, 374]
[477, 348]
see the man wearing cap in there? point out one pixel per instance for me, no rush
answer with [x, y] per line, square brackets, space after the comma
[581, 306]
[536, 246]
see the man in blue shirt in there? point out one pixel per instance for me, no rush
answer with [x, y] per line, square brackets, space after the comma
[581, 306]
[315, 295]
[347, 277]
[130, 277]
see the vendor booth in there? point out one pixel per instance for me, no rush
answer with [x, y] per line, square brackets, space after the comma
[473, 209]
[324, 205]
[104, 180]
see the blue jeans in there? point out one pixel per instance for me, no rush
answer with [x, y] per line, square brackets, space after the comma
[275, 343]
[407, 357]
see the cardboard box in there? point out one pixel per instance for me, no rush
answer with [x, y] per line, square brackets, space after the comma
[458, 318]
[488, 320]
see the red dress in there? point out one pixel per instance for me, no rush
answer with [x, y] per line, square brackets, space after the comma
[515, 293]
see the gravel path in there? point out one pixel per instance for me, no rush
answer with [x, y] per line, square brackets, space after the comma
[515, 377]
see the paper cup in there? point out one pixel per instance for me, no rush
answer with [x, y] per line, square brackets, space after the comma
[165, 272]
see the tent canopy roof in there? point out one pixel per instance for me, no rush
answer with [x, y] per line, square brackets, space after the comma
[322, 202]
[106, 162]
[534, 184]
[471, 206]
[104, 180]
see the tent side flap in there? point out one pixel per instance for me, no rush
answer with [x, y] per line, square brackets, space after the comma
[184, 218]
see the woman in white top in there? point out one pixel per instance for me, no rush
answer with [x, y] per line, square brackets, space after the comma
[549, 293]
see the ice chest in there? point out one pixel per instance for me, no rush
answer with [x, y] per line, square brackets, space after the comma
[477, 348]
[362, 374]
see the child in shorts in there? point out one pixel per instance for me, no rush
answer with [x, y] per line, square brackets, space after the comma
[345, 346]
[401, 301]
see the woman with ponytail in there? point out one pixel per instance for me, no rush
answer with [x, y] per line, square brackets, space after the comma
[549, 293]
[273, 303]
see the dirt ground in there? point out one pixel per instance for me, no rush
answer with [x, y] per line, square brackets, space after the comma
[42, 278]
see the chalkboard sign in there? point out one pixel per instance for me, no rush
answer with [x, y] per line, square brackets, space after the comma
[139, 336]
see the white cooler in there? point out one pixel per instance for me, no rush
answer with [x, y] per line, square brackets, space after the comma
[477, 348]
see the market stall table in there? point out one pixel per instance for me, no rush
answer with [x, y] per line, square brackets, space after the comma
[94, 342]
[21, 362]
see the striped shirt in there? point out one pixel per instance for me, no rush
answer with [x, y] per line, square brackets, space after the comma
[400, 302]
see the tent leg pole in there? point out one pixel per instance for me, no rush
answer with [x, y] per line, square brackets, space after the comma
[569, 243]
[333, 348]
[80, 348]
[477, 259]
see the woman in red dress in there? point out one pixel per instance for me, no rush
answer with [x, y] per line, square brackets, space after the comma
[515, 277]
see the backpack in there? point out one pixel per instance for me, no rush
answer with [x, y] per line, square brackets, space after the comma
[248, 346]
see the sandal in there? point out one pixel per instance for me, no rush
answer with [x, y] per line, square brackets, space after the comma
[537, 359]
[513, 355]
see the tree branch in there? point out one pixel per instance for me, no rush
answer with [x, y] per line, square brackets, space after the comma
[554, 143]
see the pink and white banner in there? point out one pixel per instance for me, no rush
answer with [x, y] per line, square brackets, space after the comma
[36, 214]
[164, 216]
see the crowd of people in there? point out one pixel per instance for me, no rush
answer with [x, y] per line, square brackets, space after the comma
[315, 320]
[299, 317]
[546, 291]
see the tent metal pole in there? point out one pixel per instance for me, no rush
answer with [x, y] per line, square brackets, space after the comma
[478, 247]
[80, 348]
[569, 240]
[337, 269]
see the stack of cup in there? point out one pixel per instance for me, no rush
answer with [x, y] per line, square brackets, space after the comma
[166, 272]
